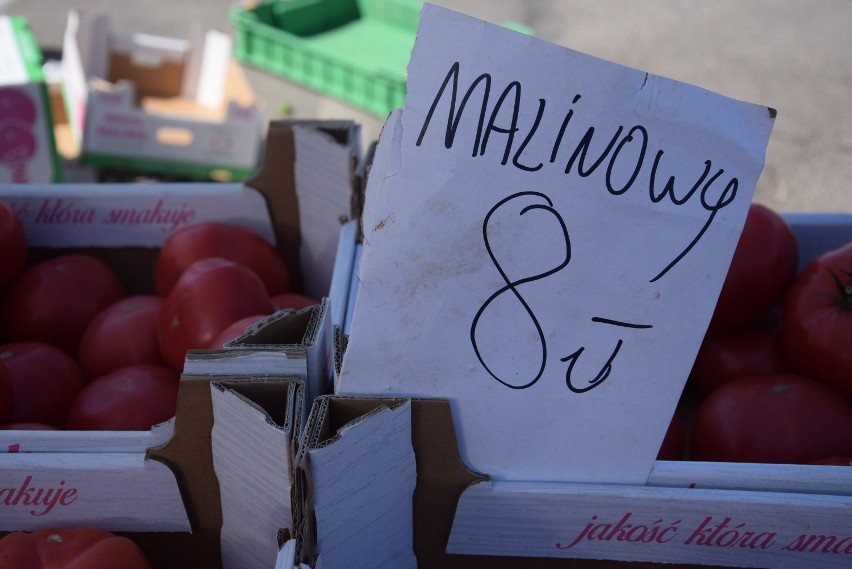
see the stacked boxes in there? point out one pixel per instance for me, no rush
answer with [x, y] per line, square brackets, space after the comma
[27, 150]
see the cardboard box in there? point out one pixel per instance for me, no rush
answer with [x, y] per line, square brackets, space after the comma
[150, 104]
[688, 514]
[27, 150]
[182, 473]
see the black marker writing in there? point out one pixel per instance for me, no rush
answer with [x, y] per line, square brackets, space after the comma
[605, 371]
[598, 379]
[512, 287]
[583, 155]
[619, 323]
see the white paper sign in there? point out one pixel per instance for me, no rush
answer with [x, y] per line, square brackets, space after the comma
[545, 237]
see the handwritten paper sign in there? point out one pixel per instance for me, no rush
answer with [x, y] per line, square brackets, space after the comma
[545, 237]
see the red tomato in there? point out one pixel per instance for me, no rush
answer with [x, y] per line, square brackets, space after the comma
[133, 398]
[74, 548]
[772, 419]
[726, 355]
[13, 244]
[235, 330]
[674, 442]
[218, 239]
[6, 395]
[211, 295]
[53, 301]
[24, 426]
[45, 380]
[817, 320]
[834, 461]
[121, 335]
[762, 268]
[292, 300]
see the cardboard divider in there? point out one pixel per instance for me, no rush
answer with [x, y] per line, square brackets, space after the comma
[257, 421]
[189, 454]
[350, 449]
[284, 209]
[297, 343]
[276, 179]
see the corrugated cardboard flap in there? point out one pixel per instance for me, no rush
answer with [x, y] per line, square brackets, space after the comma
[256, 426]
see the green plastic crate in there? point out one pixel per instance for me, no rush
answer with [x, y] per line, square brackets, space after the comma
[356, 51]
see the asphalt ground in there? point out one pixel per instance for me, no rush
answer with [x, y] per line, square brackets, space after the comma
[792, 55]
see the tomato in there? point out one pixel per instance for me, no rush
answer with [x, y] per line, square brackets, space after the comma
[772, 419]
[674, 442]
[763, 266]
[726, 355]
[292, 300]
[123, 334]
[834, 461]
[13, 244]
[132, 398]
[817, 321]
[6, 394]
[234, 330]
[218, 239]
[53, 301]
[210, 295]
[25, 426]
[71, 548]
[45, 380]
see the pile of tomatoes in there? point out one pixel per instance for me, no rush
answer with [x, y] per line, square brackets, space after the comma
[80, 548]
[772, 381]
[77, 352]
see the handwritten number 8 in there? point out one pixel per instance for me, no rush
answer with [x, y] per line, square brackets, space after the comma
[512, 286]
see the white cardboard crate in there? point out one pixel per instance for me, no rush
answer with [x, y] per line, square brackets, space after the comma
[173, 488]
[156, 104]
[688, 513]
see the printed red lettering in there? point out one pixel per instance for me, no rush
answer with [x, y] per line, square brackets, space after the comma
[168, 218]
[817, 543]
[54, 212]
[623, 531]
[28, 494]
[700, 535]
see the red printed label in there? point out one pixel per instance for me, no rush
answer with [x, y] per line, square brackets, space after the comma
[39, 500]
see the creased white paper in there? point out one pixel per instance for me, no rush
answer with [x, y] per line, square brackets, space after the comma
[545, 237]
